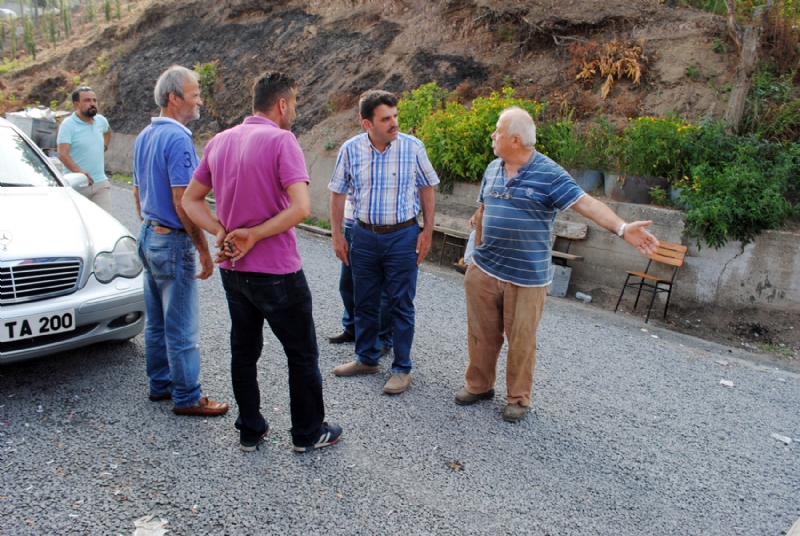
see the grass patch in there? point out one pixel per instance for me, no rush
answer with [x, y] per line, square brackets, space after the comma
[785, 351]
[123, 178]
[322, 224]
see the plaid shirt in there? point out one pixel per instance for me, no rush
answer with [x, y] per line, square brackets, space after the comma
[384, 184]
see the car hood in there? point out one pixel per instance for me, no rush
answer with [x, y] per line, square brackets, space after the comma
[54, 222]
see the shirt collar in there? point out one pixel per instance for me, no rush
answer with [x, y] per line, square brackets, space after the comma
[373, 148]
[165, 120]
[262, 120]
[78, 118]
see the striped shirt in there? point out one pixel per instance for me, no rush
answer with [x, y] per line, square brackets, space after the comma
[517, 233]
[384, 184]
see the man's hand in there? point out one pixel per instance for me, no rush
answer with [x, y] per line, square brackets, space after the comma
[340, 248]
[206, 263]
[243, 241]
[423, 245]
[636, 235]
[91, 180]
[223, 252]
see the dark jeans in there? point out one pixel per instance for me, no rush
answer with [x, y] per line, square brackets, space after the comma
[385, 263]
[347, 292]
[284, 301]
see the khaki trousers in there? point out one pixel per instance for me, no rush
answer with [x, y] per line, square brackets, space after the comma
[100, 194]
[495, 308]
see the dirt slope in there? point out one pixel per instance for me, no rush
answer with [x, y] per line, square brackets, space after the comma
[339, 48]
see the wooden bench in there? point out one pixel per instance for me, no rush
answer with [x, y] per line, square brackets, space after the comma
[567, 231]
[448, 237]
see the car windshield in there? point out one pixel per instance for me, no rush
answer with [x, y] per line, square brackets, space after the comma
[20, 165]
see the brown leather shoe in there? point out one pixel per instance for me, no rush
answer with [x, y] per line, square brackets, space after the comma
[354, 368]
[159, 398]
[397, 383]
[203, 408]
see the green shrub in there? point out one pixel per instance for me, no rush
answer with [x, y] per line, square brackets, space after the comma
[693, 72]
[738, 200]
[458, 139]
[659, 196]
[718, 46]
[656, 147]
[416, 106]
[209, 83]
[773, 106]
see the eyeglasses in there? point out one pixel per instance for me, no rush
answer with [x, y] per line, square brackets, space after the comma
[506, 195]
[84, 88]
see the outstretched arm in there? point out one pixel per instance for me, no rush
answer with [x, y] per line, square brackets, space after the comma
[634, 233]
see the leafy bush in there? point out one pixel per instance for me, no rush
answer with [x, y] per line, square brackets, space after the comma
[458, 139]
[655, 147]
[209, 83]
[416, 106]
[738, 200]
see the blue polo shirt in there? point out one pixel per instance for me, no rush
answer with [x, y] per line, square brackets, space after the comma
[518, 214]
[163, 158]
[87, 146]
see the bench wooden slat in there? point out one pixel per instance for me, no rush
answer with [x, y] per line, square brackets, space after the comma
[566, 256]
[451, 232]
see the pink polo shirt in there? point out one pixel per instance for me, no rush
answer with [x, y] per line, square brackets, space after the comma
[249, 168]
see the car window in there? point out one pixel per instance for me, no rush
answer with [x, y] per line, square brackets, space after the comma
[20, 165]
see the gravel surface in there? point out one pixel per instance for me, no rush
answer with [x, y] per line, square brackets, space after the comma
[627, 434]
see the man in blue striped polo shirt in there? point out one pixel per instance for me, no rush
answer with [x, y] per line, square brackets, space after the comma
[391, 179]
[521, 193]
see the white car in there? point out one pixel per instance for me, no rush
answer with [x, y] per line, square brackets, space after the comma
[69, 272]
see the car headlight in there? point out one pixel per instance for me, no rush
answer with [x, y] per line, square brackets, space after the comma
[122, 262]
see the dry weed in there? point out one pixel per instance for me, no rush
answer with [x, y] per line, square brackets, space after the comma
[610, 61]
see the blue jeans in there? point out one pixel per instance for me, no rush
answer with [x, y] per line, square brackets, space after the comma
[172, 325]
[284, 301]
[384, 263]
[346, 292]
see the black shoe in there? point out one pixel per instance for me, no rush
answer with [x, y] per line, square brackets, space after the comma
[342, 337]
[330, 435]
[251, 445]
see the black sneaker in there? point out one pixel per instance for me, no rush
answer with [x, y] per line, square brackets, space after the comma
[251, 445]
[330, 435]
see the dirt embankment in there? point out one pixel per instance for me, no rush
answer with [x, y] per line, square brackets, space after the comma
[339, 48]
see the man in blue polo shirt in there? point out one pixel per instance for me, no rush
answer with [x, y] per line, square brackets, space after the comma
[83, 139]
[163, 162]
[505, 284]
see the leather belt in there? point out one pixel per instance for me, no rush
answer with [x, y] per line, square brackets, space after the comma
[383, 229]
[154, 223]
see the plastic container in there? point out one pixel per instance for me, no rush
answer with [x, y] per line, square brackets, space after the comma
[583, 297]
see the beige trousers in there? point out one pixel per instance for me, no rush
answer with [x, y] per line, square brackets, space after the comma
[495, 308]
[100, 194]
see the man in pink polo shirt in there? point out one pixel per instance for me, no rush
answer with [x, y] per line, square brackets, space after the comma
[260, 183]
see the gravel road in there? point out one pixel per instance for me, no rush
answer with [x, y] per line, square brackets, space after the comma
[630, 432]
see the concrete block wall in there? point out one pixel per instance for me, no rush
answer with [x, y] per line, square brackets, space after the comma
[762, 274]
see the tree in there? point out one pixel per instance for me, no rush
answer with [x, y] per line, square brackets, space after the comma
[747, 40]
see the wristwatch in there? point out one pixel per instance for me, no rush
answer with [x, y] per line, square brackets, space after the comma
[621, 231]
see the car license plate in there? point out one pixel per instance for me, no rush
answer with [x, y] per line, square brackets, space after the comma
[25, 327]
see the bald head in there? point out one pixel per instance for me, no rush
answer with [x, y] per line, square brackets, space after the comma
[518, 122]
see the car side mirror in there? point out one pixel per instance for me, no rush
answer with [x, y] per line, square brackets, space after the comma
[77, 181]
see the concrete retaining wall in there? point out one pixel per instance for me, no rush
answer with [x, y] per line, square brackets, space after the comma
[763, 274]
